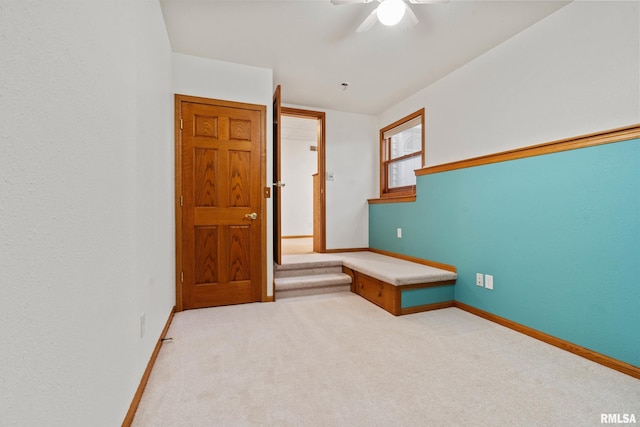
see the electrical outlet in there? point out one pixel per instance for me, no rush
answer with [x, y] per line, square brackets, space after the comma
[399, 233]
[142, 325]
[331, 176]
[479, 279]
[488, 281]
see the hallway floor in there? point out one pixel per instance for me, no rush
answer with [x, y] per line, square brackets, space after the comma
[297, 245]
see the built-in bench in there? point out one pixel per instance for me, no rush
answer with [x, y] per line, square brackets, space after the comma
[398, 285]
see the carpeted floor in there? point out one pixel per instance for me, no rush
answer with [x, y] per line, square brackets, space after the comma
[337, 360]
[298, 245]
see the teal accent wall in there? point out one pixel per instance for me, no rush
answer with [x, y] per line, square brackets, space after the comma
[560, 233]
[424, 296]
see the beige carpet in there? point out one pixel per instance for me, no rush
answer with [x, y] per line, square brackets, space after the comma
[297, 245]
[337, 360]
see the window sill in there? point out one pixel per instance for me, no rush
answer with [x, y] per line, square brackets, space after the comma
[392, 199]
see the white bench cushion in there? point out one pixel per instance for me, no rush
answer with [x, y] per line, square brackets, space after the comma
[393, 270]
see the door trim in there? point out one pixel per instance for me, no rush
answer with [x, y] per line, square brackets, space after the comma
[320, 241]
[178, 100]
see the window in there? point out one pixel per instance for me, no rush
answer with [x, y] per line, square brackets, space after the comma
[401, 153]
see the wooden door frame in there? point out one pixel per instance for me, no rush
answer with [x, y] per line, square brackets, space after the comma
[319, 242]
[178, 99]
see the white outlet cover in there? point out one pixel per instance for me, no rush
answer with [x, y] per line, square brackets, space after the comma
[488, 281]
[479, 279]
[399, 233]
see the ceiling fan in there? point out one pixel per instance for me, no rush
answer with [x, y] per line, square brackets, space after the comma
[388, 12]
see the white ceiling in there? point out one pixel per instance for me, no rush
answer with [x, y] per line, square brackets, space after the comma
[312, 46]
[299, 129]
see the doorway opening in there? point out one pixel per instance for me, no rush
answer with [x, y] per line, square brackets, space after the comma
[302, 166]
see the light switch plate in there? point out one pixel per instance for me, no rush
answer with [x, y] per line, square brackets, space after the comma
[488, 281]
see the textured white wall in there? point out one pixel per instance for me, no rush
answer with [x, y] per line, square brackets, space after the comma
[212, 79]
[575, 72]
[87, 206]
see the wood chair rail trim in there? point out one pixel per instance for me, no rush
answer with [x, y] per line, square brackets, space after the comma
[574, 143]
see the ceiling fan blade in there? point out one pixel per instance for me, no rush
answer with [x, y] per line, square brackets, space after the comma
[412, 19]
[368, 21]
[341, 2]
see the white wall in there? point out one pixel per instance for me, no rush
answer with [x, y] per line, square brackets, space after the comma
[352, 155]
[575, 72]
[213, 79]
[86, 236]
[297, 166]
[208, 78]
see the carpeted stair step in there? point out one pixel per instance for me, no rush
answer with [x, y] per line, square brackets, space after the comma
[308, 270]
[304, 265]
[312, 284]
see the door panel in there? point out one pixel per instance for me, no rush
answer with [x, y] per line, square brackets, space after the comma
[221, 171]
[277, 190]
[206, 244]
[240, 239]
[205, 177]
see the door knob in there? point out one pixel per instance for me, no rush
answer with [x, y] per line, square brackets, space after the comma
[279, 184]
[252, 215]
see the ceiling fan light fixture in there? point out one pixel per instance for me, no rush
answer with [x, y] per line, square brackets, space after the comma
[390, 12]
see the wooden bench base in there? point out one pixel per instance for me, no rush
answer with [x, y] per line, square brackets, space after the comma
[388, 296]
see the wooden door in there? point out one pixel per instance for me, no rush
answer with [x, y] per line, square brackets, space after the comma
[221, 155]
[277, 177]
